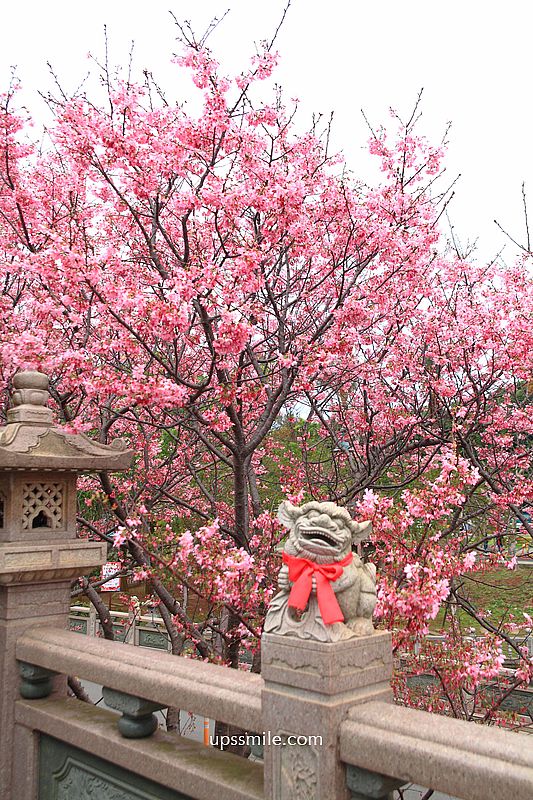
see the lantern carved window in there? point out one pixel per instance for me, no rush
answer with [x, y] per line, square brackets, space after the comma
[42, 505]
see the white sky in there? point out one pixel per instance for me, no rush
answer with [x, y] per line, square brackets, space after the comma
[473, 59]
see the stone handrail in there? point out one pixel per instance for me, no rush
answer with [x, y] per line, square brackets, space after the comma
[470, 761]
[123, 615]
[377, 738]
[119, 615]
[129, 628]
[230, 696]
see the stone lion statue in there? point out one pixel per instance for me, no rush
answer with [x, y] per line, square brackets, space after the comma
[326, 592]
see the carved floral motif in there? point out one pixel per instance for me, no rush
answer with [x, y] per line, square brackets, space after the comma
[84, 786]
[80, 783]
[298, 765]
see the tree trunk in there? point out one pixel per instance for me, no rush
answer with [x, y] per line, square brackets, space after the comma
[240, 490]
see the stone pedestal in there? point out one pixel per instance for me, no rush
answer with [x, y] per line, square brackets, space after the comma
[309, 687]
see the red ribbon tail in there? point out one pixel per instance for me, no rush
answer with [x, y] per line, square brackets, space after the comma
[330, 609]
[300, 592]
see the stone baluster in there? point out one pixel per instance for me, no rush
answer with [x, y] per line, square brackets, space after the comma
[365, 785]
[138, 719]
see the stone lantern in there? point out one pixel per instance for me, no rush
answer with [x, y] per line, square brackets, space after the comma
[39, 552]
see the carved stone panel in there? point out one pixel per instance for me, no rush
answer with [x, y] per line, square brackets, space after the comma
[151, 638]
[78, 624]
[42, 506]
[79, 783]
[67, 773]
[297, 772]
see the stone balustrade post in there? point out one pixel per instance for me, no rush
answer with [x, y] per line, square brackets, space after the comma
[309, 688]
[40, 554]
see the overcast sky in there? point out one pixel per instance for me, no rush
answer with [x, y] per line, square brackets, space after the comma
[473, 59]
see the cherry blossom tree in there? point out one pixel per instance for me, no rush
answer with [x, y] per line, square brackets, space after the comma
[219, 289]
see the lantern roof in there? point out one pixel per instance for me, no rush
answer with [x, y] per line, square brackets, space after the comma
[31, 441]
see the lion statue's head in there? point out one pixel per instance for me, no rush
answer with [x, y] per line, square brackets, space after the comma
[321, 532]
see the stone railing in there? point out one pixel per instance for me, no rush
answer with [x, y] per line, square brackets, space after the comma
[148, 630]
[136, 685]
[144, 630]
[227, 695]
[371, 746]
[464, 759]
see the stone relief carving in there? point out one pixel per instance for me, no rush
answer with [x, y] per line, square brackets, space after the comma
[298, 773]
[326, 592]
[153, 639]
[83, 786]
[81, 783]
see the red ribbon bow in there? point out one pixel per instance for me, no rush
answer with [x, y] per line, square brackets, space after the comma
[301, 572]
